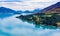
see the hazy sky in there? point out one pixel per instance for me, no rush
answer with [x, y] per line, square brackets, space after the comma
[27, 4]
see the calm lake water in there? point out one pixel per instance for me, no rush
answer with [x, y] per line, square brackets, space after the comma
[12, 26]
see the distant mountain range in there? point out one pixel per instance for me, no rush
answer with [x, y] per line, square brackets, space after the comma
[27, 11]
[8, 10]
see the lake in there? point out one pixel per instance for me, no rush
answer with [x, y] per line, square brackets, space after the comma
[12, 26]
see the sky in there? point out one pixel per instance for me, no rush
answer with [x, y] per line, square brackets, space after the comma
[27, 4]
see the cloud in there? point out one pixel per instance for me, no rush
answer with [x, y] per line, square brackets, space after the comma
[28, 4]
[41, 0]
[10, 0]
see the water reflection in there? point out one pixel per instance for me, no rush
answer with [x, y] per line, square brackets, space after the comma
[39, 26]
[4, 15]
[11, 26]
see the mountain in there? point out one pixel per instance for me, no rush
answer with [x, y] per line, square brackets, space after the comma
[28, 11]
[55, 8]
[19, 11]
[6, 10]
[33, 11]
[36, 10]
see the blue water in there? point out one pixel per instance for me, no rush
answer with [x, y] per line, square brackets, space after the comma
[12, 26]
